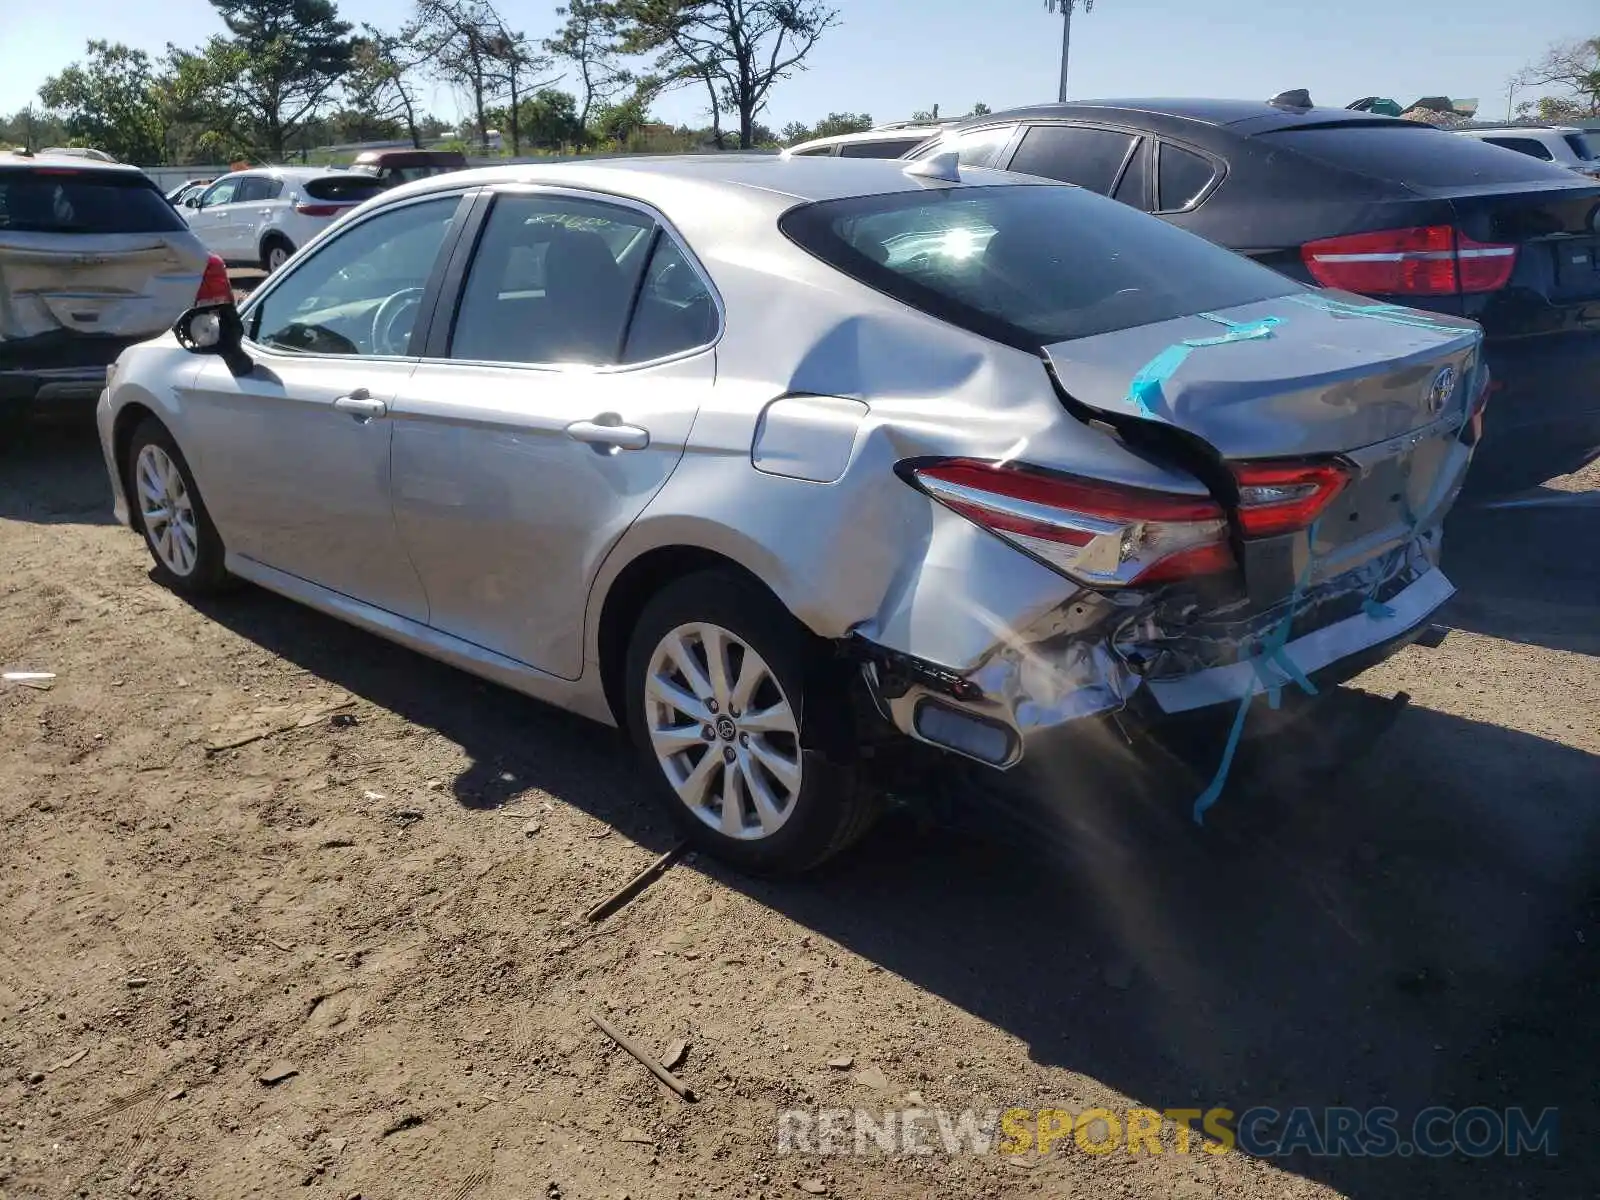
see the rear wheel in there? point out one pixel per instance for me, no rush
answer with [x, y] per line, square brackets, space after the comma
[716, 704]
[168, 510]
[275, 251]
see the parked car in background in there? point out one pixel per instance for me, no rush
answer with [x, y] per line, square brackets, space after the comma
[1392, 209]
[92, 259]
[262, 216]
[394, 167]
[764, 458]
[1575, 149]
[887, 141]
[190, 187]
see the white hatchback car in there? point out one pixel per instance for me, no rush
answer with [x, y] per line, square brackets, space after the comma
[1576, 149]
[264, 215]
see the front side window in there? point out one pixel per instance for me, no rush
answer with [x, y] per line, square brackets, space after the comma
[1090, 158]
[359, 293]
[222, 192]
[1028, 264]
[552, 281]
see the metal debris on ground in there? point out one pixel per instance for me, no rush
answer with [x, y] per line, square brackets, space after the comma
[672, 1057]
[39, 681]
[650, 1064]
[637, 884]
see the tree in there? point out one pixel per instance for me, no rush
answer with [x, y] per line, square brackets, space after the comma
[454, 37]
[616, 123]
[794, 133]
[109, 101]
[980, 109]
[1574, 68]
[381, 82]
[293, 54]
[32, 129]
[737, 49]
[836, 123]
[588, 40]
[204, 116]
[518, 63]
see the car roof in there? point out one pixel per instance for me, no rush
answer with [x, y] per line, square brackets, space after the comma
[1259, 115]
[9, 158]
[662, 179]
[901, 133]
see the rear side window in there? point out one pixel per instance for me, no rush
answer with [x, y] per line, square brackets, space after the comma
[1528, 146]
[1133, 188]
[61, 200]
[1585, 145]
[1090, 158]
[892, 149]
[674, 312]
[975, 148]
[343, 189]
[1182, 178]
[1410, 152]
[1028, 265]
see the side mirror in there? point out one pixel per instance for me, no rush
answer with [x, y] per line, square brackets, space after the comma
[191, 201]
[215, 329]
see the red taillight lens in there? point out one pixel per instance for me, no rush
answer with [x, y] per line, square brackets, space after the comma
[319, 210]
[214, 285]
[1094, 532]
[1431, 260]
[1279, 497]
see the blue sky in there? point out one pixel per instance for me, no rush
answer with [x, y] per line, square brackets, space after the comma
[891, 57]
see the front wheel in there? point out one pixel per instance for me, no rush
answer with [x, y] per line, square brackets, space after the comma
[168, 510]
[717, 697]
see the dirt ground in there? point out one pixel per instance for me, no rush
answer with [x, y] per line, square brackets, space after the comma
[349, 955]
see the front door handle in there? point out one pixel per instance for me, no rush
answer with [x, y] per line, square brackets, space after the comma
[607, 434]
[361, 406]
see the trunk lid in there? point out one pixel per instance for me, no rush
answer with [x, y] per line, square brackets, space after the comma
[121, 285]
[1556, 227]
[1317, 375]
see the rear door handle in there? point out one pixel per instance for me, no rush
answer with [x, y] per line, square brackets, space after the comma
[361, 406]
[607, 433]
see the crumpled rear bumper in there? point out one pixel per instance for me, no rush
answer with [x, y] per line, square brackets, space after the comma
[1028, 689]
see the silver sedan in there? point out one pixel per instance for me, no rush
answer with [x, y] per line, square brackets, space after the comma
[763, 460]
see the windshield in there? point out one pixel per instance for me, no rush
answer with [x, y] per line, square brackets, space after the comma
[64, 200]
[1028, 265]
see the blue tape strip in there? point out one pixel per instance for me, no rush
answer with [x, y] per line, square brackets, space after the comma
[1376, 609]
[1270, 650]
[1145, 393]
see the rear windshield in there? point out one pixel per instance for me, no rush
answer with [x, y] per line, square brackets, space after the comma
[1028, 265]
[343, 189]
[1585, 145]
[1410, 152]
[62, 200]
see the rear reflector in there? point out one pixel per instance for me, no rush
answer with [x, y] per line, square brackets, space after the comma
[214, 285]
[1283, 497]
[1431, 260]
[1094, 532]
[321, 210]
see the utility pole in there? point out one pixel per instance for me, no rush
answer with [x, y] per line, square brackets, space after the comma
[1065, 7]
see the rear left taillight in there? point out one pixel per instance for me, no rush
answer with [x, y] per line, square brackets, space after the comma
[319, 210]
[1097, 533]
[1285, 497]
[1430, 260]
[214, 285]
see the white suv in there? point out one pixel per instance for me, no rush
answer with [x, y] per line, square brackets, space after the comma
[1578, 149]
[264, 215]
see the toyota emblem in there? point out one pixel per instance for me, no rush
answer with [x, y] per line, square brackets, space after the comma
[1441, 389]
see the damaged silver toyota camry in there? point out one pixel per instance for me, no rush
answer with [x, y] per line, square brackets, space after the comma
[765, 459]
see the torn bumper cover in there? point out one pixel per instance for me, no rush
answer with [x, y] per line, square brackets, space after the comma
[1151, 657]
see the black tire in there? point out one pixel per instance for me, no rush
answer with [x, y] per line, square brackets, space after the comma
[831, 809]
[268, 245]
[208, 575]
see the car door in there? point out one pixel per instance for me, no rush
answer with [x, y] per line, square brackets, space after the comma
[211, 216]
[554, 401]
[252, 212]
[294, 456]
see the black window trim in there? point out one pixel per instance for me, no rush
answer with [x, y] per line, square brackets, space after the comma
[447, 306]
[1219, 170]
[250, 311]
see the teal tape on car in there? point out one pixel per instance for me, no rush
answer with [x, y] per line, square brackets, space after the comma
[1394, 314]
[1145, 393]
[1271, 649]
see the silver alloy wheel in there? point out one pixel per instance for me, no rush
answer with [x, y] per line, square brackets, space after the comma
[723, 731]
[277, 255]
[166, 510]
